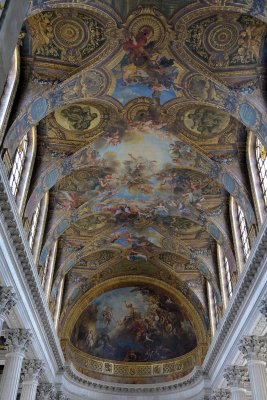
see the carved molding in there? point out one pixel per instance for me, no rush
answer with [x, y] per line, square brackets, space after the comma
[253, 347]
[189, 380]
[46, 391]
[242, 290]
[236, 376]
[17, 340]
[221, 394]
[62, 396]
[8, 300]
[263, 307]
[17, 236]
[32, 370]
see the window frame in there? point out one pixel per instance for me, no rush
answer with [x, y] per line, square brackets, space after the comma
[261, 168]
[34, 226]
[18, 165]
[244, 234]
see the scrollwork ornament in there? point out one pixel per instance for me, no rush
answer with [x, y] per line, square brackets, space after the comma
[221, 394]
[263, 307]
[32, 370]
[8, 300]
[17, 340]
[253, 347]
[236, 376]
[46, 391]
[61, 396]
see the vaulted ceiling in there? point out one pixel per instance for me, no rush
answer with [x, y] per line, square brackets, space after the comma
[143, 114]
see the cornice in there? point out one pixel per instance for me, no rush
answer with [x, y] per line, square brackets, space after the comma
[20, 247]
[242, 291]
[194, 377]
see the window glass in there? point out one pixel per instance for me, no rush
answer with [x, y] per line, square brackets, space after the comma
[243, 232]
[228, 277]
[18, 165]
[34, 224]
[261, 158]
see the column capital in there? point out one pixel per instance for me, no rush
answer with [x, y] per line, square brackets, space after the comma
[221, 394]
[253, 347]
[8, 299]
[46, 391]
[236, 376]
[263, 307]
[61, 396]
[18, 340]
[32, 370]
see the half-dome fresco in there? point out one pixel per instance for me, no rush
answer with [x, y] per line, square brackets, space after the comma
[134, 324]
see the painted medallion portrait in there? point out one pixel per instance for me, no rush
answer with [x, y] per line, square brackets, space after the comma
[134, 324]
[206, 121]
[78, 117]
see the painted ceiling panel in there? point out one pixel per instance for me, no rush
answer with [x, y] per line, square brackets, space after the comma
[140, 145]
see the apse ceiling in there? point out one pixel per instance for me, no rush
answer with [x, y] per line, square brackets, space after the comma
[143, 110]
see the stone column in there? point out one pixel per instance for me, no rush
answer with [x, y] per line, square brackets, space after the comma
[31, 372]
[8, 299]
[18, 341]
[237, 380]
[254, 348]
[46, 391]
[221, 394]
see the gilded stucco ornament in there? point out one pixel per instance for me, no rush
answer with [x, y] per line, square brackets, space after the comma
[72, 37]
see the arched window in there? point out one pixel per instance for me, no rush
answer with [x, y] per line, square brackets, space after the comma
[18, 165]
[257, 169]
[8, 95]
[213, 308]
[44, 271]
[243, 232]
[240, 236]
[33, 226]
[228, 278]
[261, 159]
[20, 169]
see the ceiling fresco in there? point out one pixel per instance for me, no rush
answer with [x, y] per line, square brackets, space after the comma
[134, 324]
[142, 113]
